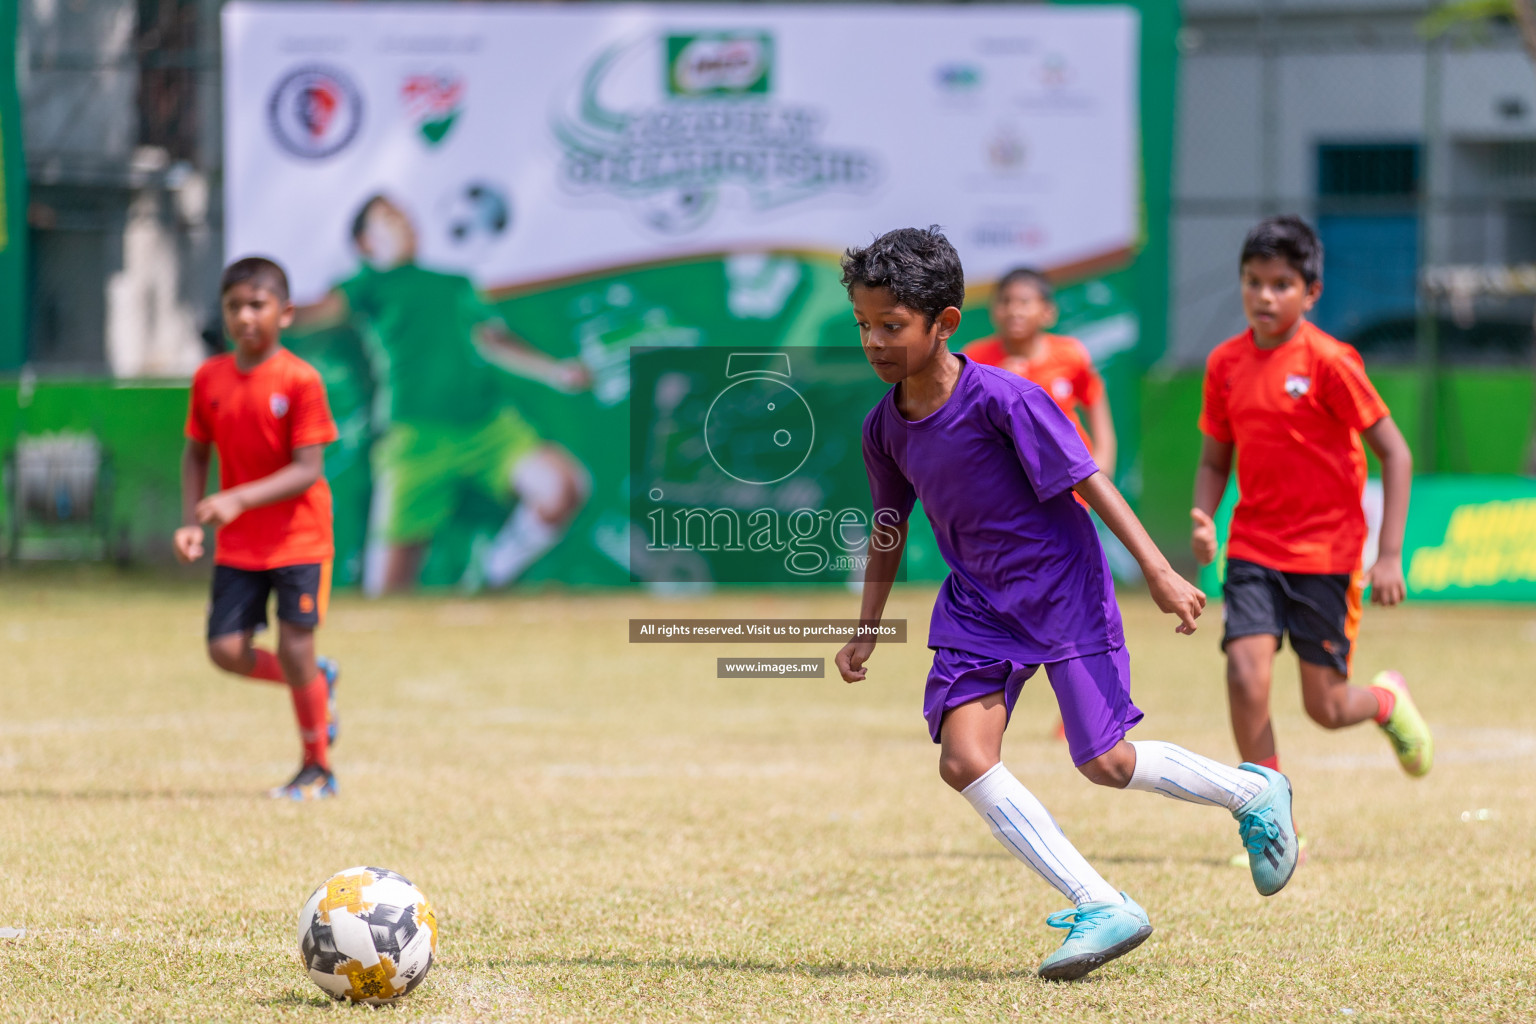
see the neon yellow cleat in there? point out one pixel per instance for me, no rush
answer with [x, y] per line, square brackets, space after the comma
[1405, 728]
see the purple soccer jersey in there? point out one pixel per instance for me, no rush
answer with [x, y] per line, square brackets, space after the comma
[994, 468]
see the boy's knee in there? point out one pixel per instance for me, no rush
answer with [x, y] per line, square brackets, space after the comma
[1326, 712]
[227, 652]
[1247, 675]
[961, 768]
[1113, 769]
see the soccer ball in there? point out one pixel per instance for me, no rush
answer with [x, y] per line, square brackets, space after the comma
[367, 935]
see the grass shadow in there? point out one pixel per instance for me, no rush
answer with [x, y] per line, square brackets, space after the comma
[129, 795]
[808, 970]
[316, 1000]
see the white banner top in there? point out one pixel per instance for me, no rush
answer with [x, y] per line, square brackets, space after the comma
[529, 143]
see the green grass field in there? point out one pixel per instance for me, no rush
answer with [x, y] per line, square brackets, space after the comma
[611, 833]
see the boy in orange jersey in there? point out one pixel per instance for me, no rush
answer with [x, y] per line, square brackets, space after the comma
[1293, 404]
[264, 409]
[1022, 308]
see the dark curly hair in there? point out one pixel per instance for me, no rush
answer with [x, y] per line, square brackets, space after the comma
[1036, 279]
[1286, 237]
[257, 270]
[918, 265]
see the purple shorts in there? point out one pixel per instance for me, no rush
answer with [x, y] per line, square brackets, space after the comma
[1093, 693]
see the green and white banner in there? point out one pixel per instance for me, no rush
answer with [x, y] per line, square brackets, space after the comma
[1469, 538]
[584, 179]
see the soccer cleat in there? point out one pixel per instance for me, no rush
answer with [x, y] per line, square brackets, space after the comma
[1098, 933]
[1405, 727]
[332, 672]
[1240, 860]
[1268, 832]
[312, 783]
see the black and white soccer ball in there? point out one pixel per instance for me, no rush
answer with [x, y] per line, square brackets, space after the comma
[474, 217]
[367, 935]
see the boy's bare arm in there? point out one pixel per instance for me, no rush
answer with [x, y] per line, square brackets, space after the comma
[1172, 592]
[1101, 427]
[289, 482]
[188, 539]
[1386, 576]
[1211, 475]
[511, 353]
[879, 577]
[331, 311]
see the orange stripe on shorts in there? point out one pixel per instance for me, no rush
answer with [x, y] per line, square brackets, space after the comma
[323, 591]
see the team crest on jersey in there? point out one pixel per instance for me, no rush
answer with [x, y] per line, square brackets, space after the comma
[279, 405]
[1296, 385]
[1061, 388]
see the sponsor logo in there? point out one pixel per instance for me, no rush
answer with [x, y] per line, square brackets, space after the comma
[958, 77]
[1297, 385]
[315, 112]
[306, 603]
[719, 64]
[1006, 151]
[279, 405]
[1008, 235]
[714, 127]
[1054, 71]
[434, 102]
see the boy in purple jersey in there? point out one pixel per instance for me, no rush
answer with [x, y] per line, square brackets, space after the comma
[995, 463]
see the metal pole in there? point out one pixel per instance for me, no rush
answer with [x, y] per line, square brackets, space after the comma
[1428, 326]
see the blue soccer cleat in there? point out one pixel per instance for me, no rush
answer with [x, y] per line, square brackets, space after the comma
[311, 783]
[1268, 832]
[1099, 932]
[332, 672]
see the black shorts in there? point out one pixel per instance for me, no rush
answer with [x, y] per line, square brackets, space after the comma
[1320, 611]
[239, 600]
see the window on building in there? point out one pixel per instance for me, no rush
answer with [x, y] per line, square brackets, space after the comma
[1367, 198]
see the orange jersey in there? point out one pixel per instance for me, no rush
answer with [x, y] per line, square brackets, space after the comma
[1294, 413]
[255, 420]
[1061, 365]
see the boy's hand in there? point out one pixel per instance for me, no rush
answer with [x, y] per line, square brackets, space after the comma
[188, 541]
[1385, 579]
[1202, 537]
[850, 660]
[571, 376]
[220, 509]
[1174, 594]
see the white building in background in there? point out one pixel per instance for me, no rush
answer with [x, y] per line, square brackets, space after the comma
[120, 101]
[1400, 150]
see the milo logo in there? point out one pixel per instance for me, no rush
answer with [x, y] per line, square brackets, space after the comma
[719, 64]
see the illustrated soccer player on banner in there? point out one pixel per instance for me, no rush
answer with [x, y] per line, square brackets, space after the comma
[1292, 404]
[996, 465]
[431, 337]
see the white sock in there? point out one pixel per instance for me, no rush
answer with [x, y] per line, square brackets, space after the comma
[1176, 773]
[1023, 825]
[518, 544]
